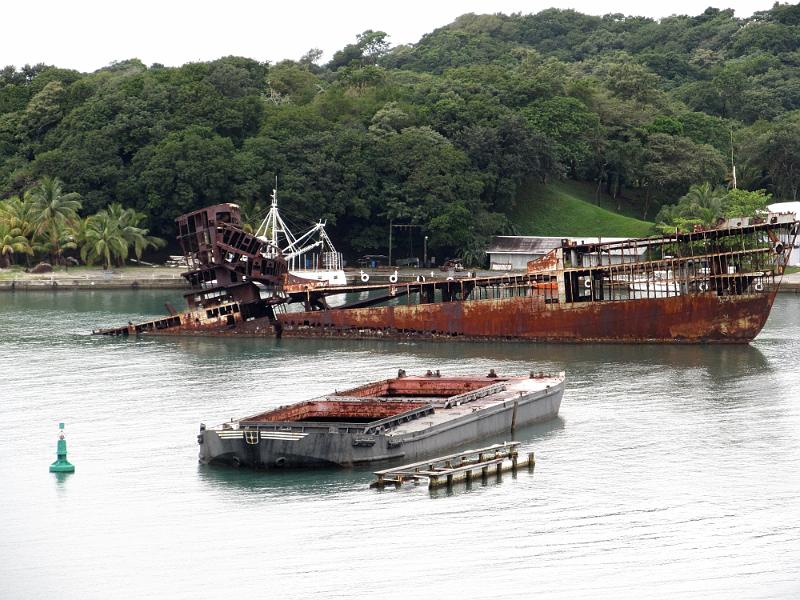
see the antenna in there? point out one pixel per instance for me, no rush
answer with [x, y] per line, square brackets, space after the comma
[733, 164]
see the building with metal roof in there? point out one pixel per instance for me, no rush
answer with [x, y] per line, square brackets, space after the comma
[512, 252]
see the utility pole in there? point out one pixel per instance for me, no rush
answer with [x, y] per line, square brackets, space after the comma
[392, 226]
[425, 252]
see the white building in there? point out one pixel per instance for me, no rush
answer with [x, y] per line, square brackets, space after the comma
[512, 252]
[794, 209]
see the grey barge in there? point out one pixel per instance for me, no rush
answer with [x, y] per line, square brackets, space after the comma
[407, 417]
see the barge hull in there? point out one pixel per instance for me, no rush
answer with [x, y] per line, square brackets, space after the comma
[300, 446]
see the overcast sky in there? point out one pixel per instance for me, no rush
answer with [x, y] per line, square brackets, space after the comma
[89, 34]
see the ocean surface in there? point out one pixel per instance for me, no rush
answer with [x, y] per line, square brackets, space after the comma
[671, 471]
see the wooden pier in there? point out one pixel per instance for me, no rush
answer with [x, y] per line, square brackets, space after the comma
[444, 471]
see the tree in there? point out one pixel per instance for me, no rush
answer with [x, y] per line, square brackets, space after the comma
[294, 82]
[53, 212]
[426, 180]
[370, 46]
[103, 240]
[741, 203]
[12, 241]
[777, 152]
[574, 130]
[128, 222]
[506, 153]
[16, 213]
[43, 111]
[702, 205]
[673, 163]
[186, 171]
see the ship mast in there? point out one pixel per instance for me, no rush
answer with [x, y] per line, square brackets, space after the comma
[273, 229]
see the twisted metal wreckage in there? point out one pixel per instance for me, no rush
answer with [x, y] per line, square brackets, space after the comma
[709, 286]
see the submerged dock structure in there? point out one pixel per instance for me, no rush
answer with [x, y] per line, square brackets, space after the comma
[464, 466]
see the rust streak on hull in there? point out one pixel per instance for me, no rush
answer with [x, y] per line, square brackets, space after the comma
[691, 319]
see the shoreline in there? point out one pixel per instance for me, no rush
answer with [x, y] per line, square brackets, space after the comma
[95, 279]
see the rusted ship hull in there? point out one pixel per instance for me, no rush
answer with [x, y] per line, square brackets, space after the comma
[695, 319]
[702, 318]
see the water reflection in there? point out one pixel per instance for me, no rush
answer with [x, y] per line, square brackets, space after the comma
[297, 482]
[719, 361]
[479, 484]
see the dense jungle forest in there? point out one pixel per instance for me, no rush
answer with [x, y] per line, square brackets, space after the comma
[455, 133]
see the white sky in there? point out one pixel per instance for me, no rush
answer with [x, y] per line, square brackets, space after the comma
[89, 34]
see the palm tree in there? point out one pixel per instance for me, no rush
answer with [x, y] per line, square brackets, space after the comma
[102, 239]
[129, 221]
[16, 212]
[703, 202]
[16, 228]
[702, 205]
[11, 241]
[61, 237]
[52, 211]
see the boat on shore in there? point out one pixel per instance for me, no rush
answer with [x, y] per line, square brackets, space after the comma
[406, 417]
[714, 286]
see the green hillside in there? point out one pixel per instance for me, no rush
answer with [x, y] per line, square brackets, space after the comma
[564, 208]
[443, 135]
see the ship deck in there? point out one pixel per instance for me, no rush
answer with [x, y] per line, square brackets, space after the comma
[402, 405]
[506, 391]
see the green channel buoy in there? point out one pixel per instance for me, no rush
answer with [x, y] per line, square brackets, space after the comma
[62, 465]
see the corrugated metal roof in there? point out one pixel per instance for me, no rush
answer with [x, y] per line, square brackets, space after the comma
[523, 244]
[537, 244]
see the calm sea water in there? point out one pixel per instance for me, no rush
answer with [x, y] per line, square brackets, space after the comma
[671, 472]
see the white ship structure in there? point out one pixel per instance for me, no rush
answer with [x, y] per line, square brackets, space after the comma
[310, 256]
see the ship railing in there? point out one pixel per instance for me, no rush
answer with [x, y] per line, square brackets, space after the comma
[371, 428]
[734, 272]
[376, 427]
[304, 426]
[475, 394]
[652, 265]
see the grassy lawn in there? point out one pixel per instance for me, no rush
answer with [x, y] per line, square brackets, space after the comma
[569, 209]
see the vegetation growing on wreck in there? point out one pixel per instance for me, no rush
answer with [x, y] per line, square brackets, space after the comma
[447, 133]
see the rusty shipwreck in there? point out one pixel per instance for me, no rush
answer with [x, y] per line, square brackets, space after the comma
[407, 417]
[709, 286]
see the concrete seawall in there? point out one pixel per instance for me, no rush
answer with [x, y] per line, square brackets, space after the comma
[94, 279]
[18, 285]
